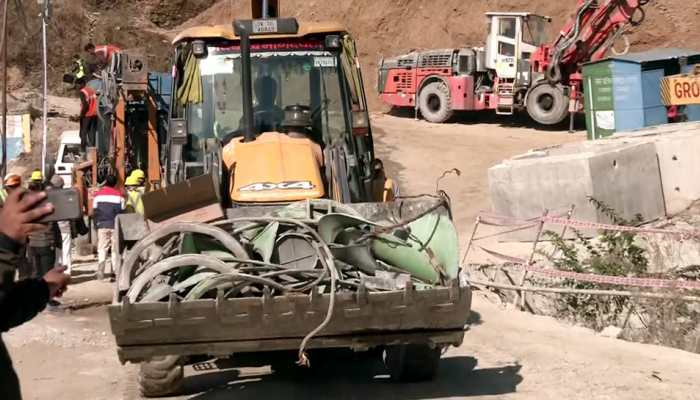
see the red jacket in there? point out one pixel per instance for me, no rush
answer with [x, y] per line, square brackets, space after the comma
[104, 52]
[88, 99]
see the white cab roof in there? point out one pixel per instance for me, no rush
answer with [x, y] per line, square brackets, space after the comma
[70, 137]
[514, 14]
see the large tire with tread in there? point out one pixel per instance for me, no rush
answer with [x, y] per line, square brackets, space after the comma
[547, 104]
[435, 102]
[412, 362]
[162, 376]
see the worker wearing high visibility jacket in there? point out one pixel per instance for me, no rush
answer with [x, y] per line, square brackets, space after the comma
[134, 194]
[88, 115]
[79, 68]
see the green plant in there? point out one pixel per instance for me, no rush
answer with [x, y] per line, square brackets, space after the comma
[612, 253]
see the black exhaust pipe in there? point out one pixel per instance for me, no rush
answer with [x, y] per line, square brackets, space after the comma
[243, 32]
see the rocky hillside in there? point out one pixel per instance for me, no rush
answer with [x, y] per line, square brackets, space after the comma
[382, 27]
[390, 27]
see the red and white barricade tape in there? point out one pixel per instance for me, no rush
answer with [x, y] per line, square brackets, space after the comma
[594, 278]
[501, 220]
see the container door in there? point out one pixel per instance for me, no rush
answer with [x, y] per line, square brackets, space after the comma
[654, 109]
[599, 100]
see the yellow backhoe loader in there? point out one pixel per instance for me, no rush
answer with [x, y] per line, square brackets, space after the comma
[277, 230]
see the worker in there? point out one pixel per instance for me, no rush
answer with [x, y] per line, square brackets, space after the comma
[12, 182]
[107, 204]
[102, 54]
[80, 70]
[297, 125]
[22, 300]
[36, 181]
[134, 193]
[9, 183]
[63, 252]
[42, 242]
[268, 114]
[88, 115]
[140, 176]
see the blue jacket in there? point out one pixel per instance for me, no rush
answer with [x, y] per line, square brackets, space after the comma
[107, 204]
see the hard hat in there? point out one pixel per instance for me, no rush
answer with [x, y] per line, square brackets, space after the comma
[138, 174]
[37, 176]
[131, 181]
[12, 180]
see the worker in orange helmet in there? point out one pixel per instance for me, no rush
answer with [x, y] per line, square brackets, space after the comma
[10, 183]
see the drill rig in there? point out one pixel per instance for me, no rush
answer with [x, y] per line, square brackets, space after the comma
[517, 70]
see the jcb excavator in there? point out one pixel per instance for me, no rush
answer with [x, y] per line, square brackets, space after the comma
[277, 233]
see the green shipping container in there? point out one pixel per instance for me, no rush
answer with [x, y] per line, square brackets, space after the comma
[623, 93]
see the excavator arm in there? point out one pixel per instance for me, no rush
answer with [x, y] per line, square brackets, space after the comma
[587, 36]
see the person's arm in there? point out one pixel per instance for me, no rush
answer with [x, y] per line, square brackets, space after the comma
[19, 301]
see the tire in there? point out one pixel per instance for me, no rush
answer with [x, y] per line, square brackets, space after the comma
[435, 102]
[162, 376]
[412, 362]
[547, 104]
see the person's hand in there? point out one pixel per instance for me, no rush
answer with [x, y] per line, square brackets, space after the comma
[58, 281]
[19, 213]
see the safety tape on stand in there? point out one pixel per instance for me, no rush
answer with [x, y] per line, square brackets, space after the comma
[594, 278]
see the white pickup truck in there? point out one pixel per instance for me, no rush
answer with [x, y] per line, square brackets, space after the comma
[68, 155]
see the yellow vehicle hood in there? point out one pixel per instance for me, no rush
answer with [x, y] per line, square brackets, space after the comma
[274, 168]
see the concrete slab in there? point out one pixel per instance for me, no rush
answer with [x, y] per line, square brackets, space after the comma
[623, 174]
[679, 165]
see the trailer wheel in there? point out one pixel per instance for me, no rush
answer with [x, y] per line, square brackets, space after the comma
[547, 104]
[412, 362]
[162, 376]
[435, 102]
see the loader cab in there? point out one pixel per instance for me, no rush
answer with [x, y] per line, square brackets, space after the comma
[512, 39]
[314, 69]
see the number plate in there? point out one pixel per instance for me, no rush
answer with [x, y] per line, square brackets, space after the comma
[265, 26]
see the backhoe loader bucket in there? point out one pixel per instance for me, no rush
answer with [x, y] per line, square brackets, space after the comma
[194, 200]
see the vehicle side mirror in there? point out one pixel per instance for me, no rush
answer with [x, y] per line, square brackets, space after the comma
[360, 123]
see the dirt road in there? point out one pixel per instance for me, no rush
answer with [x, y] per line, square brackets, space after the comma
[416, 153]
[506, 354]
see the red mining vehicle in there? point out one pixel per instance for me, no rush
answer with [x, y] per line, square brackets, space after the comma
[517, 70]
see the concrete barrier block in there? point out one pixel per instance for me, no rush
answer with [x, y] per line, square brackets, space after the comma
[625, 176]
[679, 164]
[628, 180]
